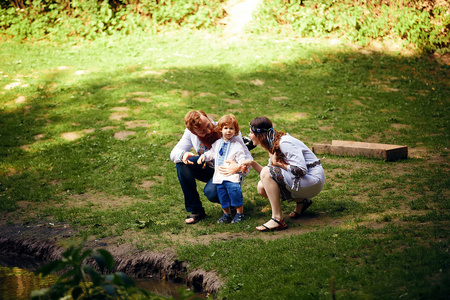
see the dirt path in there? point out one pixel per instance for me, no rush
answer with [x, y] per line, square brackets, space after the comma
[239, 14]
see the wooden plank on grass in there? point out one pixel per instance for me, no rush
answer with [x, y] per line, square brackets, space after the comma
[348, 148]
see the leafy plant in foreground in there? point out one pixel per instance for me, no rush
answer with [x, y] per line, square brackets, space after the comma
[82, 281]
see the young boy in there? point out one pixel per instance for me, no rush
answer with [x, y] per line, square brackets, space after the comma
[228, 186]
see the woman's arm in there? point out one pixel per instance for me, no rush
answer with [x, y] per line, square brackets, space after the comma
[274, 162]
[295, 161]
[256, 166]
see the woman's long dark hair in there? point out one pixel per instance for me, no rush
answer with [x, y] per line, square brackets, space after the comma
[265, 125]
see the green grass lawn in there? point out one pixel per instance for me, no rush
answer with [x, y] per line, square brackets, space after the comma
[86, 132]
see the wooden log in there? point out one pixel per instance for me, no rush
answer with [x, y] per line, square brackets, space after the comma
[349, 148]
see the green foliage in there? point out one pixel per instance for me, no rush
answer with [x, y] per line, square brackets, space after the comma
[313, 90]
[83, 281]
[70, 21]
[428, 30]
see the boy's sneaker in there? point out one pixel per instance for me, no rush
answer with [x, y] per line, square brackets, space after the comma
[238, 218]
[225, 219]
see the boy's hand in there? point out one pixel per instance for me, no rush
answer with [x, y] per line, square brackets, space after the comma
[245, 165]
[201, 159]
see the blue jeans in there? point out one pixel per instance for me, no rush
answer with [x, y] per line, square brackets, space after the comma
[187, 176]
[230, 194]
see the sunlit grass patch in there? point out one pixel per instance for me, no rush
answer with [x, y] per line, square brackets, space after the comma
[87, 146]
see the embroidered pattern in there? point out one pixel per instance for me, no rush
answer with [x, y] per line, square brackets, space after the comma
[202, 149]
[223, 153]
[182, 154]
[275, 173]
[297, 173]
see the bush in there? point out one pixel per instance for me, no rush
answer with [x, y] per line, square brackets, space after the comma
[416, 22]
[413, 21]
[82, 281]
[63, 20]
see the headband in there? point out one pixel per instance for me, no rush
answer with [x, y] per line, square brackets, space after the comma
[258, 130]
[270, 133]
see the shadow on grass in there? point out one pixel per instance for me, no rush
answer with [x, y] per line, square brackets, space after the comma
[318, 97]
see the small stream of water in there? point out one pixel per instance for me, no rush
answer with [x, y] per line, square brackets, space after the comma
[17, 284]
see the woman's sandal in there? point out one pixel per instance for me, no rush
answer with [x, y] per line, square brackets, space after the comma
[295, 215]
[281, 226]
[196, 217]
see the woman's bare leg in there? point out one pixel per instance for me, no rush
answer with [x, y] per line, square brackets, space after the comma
[273, 193]
[261, 190]
[299, 206]
[302, 205]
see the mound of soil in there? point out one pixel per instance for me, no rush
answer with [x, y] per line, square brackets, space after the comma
[29, 247]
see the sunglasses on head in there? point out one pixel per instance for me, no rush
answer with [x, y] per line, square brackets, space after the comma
[254, 129]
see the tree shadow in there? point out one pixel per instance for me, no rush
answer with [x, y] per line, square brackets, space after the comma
[328, 95]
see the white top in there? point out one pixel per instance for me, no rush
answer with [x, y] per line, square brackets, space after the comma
[234, 152]
[190, 140]
[298, 156]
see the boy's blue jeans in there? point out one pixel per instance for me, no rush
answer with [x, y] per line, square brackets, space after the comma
[230, 194]
[187, 176]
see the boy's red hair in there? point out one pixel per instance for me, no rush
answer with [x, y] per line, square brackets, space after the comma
[228, 120]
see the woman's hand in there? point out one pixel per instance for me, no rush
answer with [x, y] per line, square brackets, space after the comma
[230, 169]
[273, 159]
[274, 162]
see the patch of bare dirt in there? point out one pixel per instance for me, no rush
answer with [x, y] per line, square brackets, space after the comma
[291, 116]
[400, 126]
[117, 116]
[137, 123]
[257, 82]
[99, 200]
[442, 59]
[110, 127]
[123, 135]
[232, 101]
[203, 94]
[74, 135]
[280, 98]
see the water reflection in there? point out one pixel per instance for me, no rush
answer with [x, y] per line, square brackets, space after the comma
[17, 284]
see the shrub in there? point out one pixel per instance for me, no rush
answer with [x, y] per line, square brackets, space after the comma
[82, 281]
[416, 22]
[425, 27]
[63, 20]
